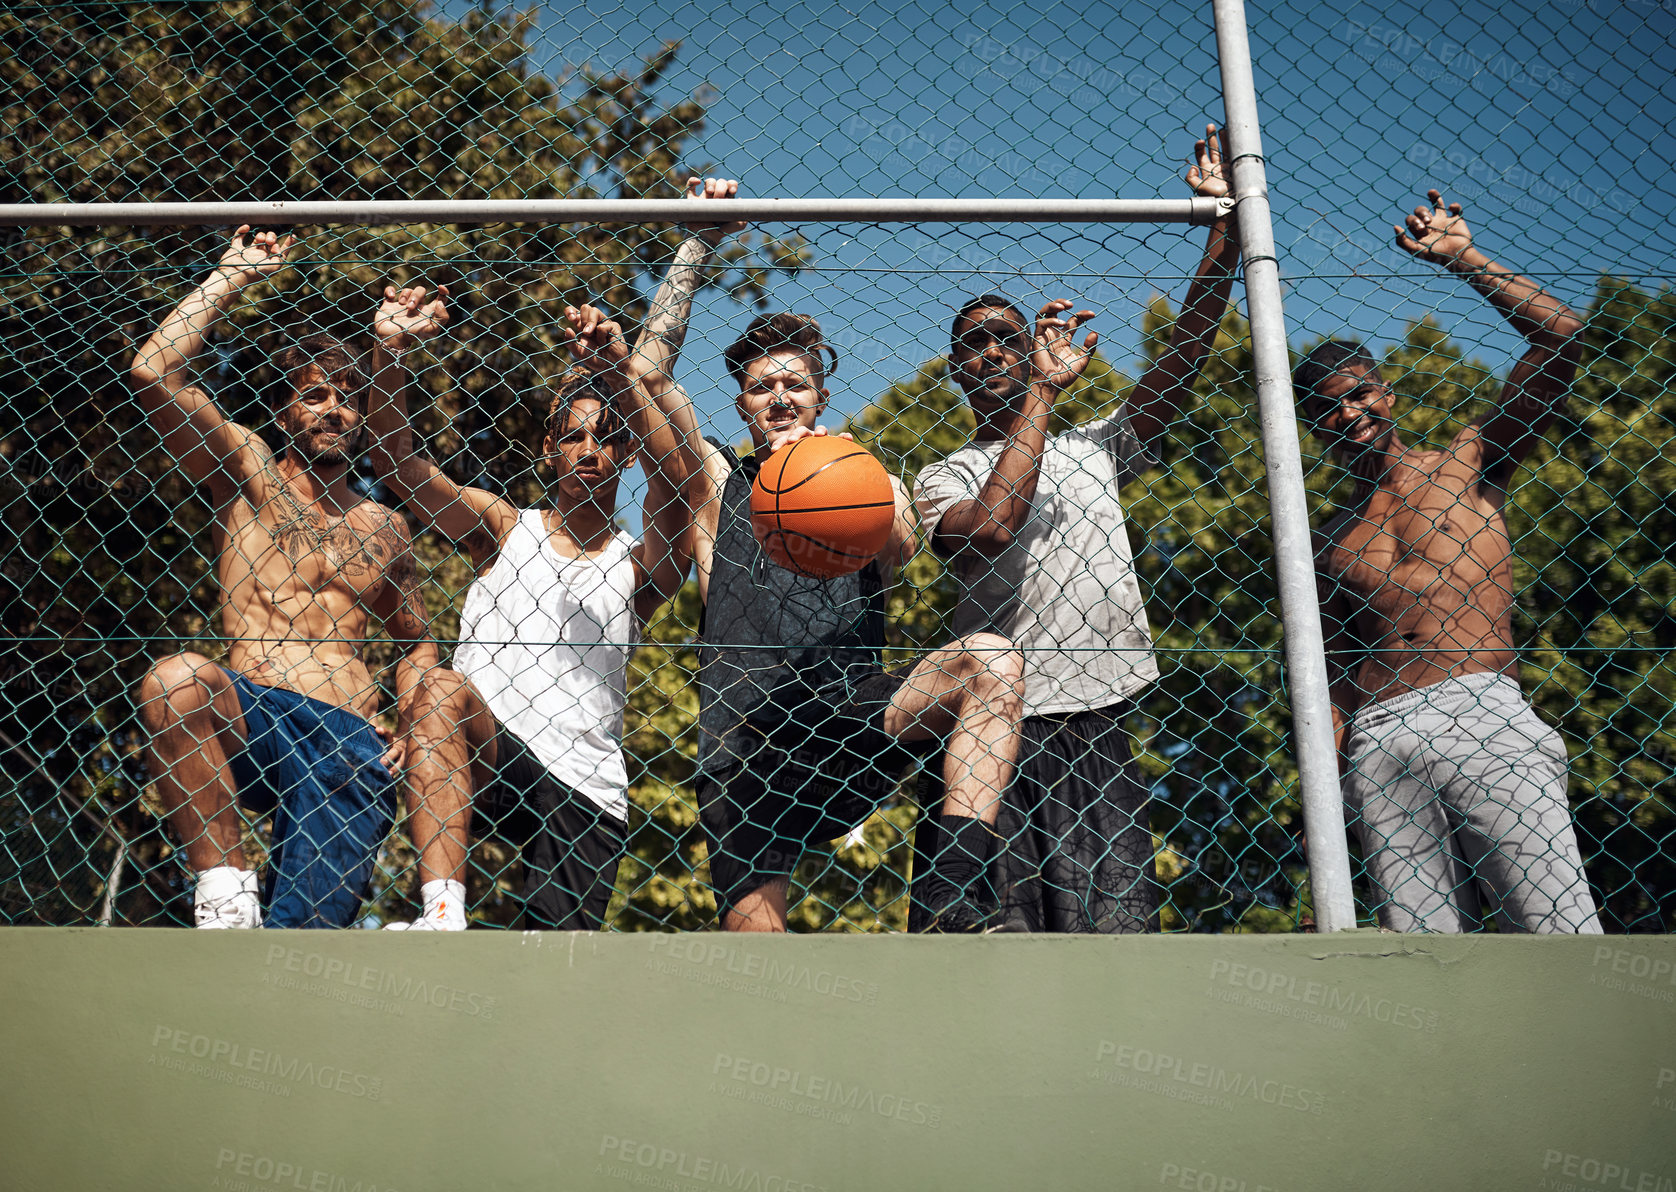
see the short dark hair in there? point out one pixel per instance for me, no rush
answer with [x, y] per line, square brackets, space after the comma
[985, 302]
[342, 364]
[576, 385]
[777, 333]
[1323, 360]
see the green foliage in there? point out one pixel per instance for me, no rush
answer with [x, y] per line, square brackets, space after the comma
[105, 560]
[1592, 519]
[105, 549]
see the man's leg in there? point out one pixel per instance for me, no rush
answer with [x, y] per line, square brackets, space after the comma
[763, 909]
[571, 859]
[749, 825]
[189, 708]
[451, 753]
[1408, 843]
[970, 693]
[195, 725]
[1088, 802]
[1509, 786]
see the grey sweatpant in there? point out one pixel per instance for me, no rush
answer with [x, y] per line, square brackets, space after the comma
[1462, 783]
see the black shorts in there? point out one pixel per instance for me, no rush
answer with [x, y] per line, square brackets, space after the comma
[570, 846]
[809, 767]
[1077, 851]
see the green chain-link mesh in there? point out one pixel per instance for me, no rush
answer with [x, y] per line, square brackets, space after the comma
[1550, 122]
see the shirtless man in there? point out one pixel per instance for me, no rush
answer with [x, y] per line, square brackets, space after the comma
[303, 563]
[1456, 782]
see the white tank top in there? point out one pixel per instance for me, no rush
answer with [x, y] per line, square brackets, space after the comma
[546, 640]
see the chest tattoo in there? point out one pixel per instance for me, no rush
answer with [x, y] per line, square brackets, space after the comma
[346, 550]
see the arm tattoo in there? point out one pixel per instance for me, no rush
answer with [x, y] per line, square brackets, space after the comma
[673, 303]
[404, 574]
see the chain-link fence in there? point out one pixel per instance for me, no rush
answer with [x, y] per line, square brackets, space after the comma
[199, 622]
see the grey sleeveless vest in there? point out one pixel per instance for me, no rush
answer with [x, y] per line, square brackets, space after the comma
[763, 626]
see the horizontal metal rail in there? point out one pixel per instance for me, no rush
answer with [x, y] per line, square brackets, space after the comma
[478, 211]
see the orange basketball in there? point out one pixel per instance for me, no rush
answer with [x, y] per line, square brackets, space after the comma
[822, 506]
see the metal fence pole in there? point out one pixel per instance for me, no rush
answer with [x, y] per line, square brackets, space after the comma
[807, 210]
[1306, 661]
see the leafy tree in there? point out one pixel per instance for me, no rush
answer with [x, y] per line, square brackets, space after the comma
[1597, 600]
[104, 549]
[104, 563]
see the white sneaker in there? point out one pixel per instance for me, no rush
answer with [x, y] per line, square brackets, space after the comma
[226, 898]
[445, 908]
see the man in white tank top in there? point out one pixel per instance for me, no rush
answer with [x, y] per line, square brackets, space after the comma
[528, 726]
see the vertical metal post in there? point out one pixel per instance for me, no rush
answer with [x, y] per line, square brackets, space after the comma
[1306, 661]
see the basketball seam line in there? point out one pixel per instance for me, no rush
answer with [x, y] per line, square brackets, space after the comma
[836, 460]
[778, 512]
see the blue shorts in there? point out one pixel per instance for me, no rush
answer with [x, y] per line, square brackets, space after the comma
[317, 767]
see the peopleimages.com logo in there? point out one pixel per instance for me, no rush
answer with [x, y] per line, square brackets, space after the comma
[246, 1171]
[1587, 1174]
[1183, 1079]
[816, 1095]
[318, 975]
[650, 1165]
[1329, 999]
[262, 1069]
[735, 968]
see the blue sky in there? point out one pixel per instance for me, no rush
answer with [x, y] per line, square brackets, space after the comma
[1551, 122]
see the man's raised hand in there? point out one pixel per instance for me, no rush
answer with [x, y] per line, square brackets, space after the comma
[1211, 174]
[1056, 357]
[596, 341]
[712, 188]
[404, 317]
[1435, 234]
[250, 256]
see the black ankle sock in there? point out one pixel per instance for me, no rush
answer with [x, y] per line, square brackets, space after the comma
[963, 861]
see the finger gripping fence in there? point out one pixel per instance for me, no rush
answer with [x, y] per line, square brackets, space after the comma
[385, 385]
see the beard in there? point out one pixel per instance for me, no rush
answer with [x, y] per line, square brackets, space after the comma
[344, 449]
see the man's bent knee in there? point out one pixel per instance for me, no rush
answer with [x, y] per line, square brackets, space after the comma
[441, 694]
[995, 657]
[178, 686]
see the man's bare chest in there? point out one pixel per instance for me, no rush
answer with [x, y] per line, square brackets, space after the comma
[297, 550]
[1436, 522]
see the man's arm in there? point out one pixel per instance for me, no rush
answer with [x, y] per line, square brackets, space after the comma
[686, 514]
[904, 533]
[665, 549]
[1539, 382]
[469, 515]
[401, 607]
[1164, 389]
[194, 431]
[989, 522]
[1345, 653]
[1345, 649]
[665, 330]
[704, 498]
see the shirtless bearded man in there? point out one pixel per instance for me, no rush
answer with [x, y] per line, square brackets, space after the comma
[303, 563]
[1456, 783]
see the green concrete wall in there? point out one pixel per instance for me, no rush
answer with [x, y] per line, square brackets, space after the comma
[184, 1060]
